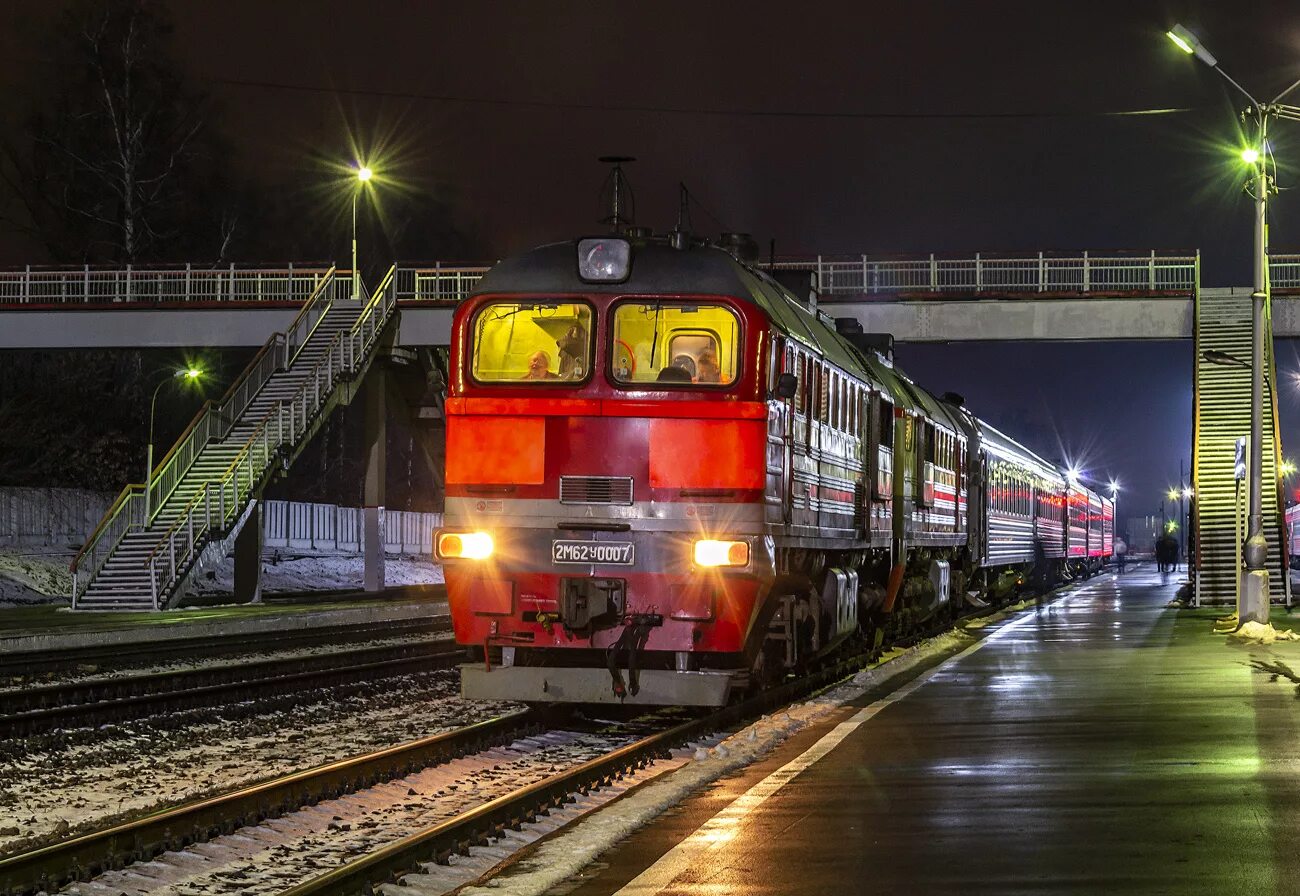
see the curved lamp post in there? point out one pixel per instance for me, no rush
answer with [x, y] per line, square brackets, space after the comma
[1253, 598]
[189, 373]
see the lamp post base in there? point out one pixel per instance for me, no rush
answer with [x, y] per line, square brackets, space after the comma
[1253, 604]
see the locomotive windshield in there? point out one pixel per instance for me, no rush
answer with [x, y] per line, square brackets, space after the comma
[675, 343]
[531, 342]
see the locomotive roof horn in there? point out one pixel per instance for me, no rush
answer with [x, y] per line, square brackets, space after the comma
[621, 201]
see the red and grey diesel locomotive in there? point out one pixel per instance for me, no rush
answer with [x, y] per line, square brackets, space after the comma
[669, 479]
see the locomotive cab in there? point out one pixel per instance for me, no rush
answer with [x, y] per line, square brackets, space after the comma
[604, 533]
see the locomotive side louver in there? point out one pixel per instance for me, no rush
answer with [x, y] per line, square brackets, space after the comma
[595, 489]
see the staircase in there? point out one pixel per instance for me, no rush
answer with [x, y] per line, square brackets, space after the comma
[1222, 415]
[200, 494]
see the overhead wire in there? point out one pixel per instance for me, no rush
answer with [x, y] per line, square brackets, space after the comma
[1038, 114]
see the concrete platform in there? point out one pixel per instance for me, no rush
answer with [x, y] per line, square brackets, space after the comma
[26, 629]
[1100, 744]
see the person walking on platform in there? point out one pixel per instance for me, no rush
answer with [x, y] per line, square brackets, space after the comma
[1120, 550]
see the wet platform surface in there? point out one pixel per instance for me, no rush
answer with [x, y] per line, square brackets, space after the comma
[1099, 744]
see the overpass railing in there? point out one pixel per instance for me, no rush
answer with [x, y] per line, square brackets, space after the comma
[92, 285]
[437, 283]
[1041, 273]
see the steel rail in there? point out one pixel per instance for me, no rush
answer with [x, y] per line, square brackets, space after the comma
[86, 856]
[26, 663]
[102, 701]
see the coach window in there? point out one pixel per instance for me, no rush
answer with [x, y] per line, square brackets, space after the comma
[531, 342]
[674, 345]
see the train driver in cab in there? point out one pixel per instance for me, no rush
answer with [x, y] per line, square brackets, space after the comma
[539, 366]
[707, 367]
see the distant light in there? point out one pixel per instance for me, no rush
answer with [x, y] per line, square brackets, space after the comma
[1173, 494]
[1287, 468]
[1072, 474]
[1250, 156]
[1171, 526]
[1188, 492]
[364, 174]
[193, 373]
[1114, 487]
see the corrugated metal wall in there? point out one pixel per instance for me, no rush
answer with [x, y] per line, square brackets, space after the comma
[66, 517]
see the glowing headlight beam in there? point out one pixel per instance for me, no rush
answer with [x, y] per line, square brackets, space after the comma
[721, 553]
[465, 546]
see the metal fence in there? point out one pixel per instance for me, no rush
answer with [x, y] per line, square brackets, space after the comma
[91, 285]
[338, 530]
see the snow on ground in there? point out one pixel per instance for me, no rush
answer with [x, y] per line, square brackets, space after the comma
[51, 787]
[284, 570]
[1262, 633]
[32, 576]
[267, 858]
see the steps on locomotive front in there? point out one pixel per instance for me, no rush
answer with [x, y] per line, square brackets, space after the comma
[1222, 415]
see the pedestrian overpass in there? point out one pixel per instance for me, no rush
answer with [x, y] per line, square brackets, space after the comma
[326, 334]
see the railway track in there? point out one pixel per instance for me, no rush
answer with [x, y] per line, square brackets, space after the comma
[91, 855]
[34, 710]
[24, 666]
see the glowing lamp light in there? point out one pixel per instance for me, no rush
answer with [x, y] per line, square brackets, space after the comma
[193, 373]
[721, 553]
[364, 174]
[1180, 42]
[1188, 492]
[1287, 468]
[465, 546]
[1250, 156]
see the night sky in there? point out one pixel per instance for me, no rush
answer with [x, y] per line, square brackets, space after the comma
[864, 127]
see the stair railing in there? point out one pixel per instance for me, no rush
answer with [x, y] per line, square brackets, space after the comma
[214, 421]
[221, 500]
[125, 514]
[282, 427]
[299, 333]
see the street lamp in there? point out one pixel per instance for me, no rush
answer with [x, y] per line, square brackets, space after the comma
[363, 177]
[1253, 598]
[189, 373]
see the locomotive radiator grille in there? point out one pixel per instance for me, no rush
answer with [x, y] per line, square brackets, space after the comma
[595, 489]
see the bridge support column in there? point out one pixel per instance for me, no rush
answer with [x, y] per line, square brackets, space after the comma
[376, 445]
[248, 558]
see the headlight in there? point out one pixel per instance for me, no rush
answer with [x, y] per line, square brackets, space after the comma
[721, 553]
[464, 546]
[604, 259]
